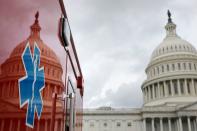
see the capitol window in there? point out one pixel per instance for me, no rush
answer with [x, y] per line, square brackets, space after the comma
[179, 66]
[158, 70]
[194, 66]
[190, 66]
[129, 124]
[173, 67]
[162, 68]
[167, 67]
[91, 124]
[184, 65]
[118, 124]
[175, 47]
[105, 124]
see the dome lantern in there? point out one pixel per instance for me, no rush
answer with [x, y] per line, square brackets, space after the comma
[170, 27]
[35, 28]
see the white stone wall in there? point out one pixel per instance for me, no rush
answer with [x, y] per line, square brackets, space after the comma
[111, 120]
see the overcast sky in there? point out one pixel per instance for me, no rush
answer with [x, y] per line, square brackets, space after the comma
[114, 39]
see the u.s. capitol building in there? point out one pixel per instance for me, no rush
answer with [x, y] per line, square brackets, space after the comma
[170, 93]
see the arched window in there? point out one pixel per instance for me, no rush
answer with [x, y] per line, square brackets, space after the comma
[105, 124]
[194, 66]
[91, 124]
[179, 66]
[168, 67]
[184, 66]
[162, 67]
[173, 67]
[118, 124]
[190, 66]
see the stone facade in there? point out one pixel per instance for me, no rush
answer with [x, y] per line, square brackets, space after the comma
[169, 92]
[109, 119]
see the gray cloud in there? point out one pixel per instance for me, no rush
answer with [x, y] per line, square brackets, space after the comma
[116, 38]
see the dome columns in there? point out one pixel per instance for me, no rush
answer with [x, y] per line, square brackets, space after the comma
[170, 88]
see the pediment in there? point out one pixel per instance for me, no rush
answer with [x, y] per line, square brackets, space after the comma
[189, 107]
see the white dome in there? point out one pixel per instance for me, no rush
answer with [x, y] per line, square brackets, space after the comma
[172, 71]
[172, 44]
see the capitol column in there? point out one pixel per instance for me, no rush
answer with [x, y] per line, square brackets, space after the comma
[172, 87]
[185, 91]
[153, 124]
[165, 89]
[180, 124]
[153, 91]
[192, 87]
[149, 91]
[147, 94]
[144, 124]
[161, 124]
[169, 124]
[179, 87]
[159, 94]
[189, 123]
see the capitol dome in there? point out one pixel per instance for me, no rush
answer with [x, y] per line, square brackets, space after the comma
[172, 71]
[172, 45]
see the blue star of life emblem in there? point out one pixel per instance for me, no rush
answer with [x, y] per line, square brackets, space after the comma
[30, 86]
